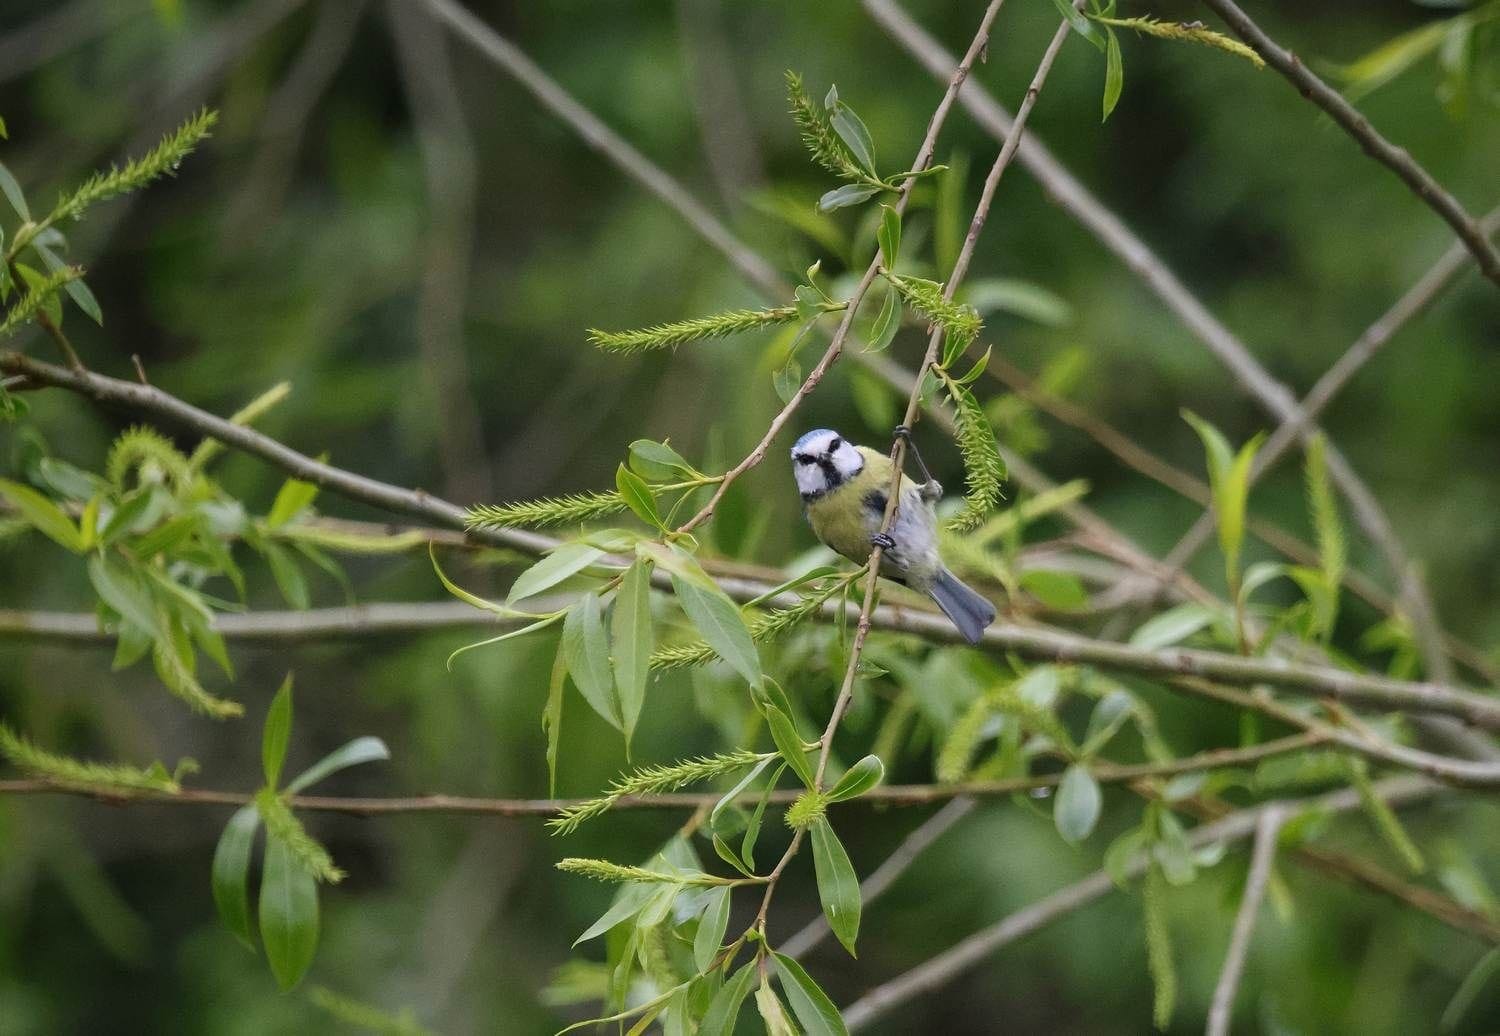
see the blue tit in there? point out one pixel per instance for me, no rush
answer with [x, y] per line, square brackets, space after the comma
[844, 488]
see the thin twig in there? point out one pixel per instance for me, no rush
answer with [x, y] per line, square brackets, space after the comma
[1267, 827]
[943, 968]
[1397, 159]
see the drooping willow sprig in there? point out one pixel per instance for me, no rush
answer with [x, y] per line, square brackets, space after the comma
[984, 468]
[282, 823]
[21, 753]
[654, 780]
[573, 509]
[719, 325]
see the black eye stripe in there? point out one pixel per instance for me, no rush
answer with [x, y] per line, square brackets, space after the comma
[835, 443]
[803, 458]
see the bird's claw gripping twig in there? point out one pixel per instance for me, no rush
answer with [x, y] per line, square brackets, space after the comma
[931, 489]
[883, 540]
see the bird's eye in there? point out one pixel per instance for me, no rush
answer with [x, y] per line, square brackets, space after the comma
[834, 444]
[803, 458]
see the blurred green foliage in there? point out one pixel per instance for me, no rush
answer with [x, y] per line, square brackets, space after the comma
[298, 256]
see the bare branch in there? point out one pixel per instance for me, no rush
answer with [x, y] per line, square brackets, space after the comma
[1267, 827]
[1397, 159]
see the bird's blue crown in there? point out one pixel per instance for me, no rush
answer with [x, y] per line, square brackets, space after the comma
[810, 436]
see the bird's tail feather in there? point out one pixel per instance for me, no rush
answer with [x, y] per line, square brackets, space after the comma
[967, 609]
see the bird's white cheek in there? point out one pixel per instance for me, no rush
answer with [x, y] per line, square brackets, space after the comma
[809, 479]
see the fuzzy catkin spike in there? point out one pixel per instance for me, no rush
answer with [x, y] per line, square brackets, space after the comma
[818, 136]
[573, 509]
[1159, 947]
[31, 303]
[960, 323]
[957, 754]
[984, 468]
[1332, 549]
[762, 629]
[138, 446]
[604, 870]
[1190, 32]
[282, 823]
[807, 810]
[21, 753]
[666, 336]
[179, 679]
[654, 780]
[160, 161]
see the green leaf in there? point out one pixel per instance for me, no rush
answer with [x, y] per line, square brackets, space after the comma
[627, 903]
[1114, 72]
[845, 196]
[293, 497]
[637, 495]
[122, 518]
[1080, 24]
[231, 873]
[552, 715]
[288, 914]
[743, 783]
[726, 853]
[658, 461]
[118, 588]
[1077, 808]
[724, 1009]
[789, 743]
[818, 1015]
[277, 733]
[564, 560]
[721, 625]
[883, 331]
[78, 291]
[772, 1013]
[12, 191]
[586, 646]
[1469, 990]
[353, 753]
[1229, 474]
[1173, 626]
[711, 928]
[858, 779]
[1060, 590]
[43, 515]
[889, 235]
[838, 886]
[752, 827]
[632, 640]
[853, 132]
[288, 575]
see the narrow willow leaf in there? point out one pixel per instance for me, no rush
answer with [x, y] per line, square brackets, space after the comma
[727, 854]
[772, 1013]
[1076, 810]
[277, 733]
[564, 560]
[291, 500]
[1080, 24]
[890, 235]
[627, 903]
[288, 575]
[857, 780]
[845, 196]
[540, 624]
[853, 132]
[586, 645]
[1114, 72]
[658, 461]
[818, 1015]
[719, 621]
[743, 783]
[1062, 591]
[752, 827]
[724, 1009]
[231, 873]
[118, 588]
[637, 496]
[1173, 626]
[43, 515]
[1021, 298]
[353, 753]
[13, 194]
[552, 715]
[1468, 991]
[78, 291]
[838, 886]
[459, 592]
[632, 640]
[288, 914]
[883, 331]
[711, 928]
[123, 518]
[789, 743]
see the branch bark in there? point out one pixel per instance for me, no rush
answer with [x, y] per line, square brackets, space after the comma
[1263, 856]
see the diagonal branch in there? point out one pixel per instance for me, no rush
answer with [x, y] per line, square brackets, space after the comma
[1263, 856]
[1397, 159]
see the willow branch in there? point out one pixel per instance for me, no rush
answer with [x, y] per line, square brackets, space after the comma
[1262, 857]
[1397, 159]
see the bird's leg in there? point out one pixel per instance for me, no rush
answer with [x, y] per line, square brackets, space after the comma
[883, 540]
[931, 489]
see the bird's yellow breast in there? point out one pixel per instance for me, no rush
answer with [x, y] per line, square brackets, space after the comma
[843, 518]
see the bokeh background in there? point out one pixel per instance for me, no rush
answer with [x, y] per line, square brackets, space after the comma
[389, 222]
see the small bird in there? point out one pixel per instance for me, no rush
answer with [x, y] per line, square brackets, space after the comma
[844, 488]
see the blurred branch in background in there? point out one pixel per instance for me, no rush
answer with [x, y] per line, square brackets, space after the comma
[718, 103]
[1397, 159]
[450, 168]
[1262, 857]
[65, 27]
